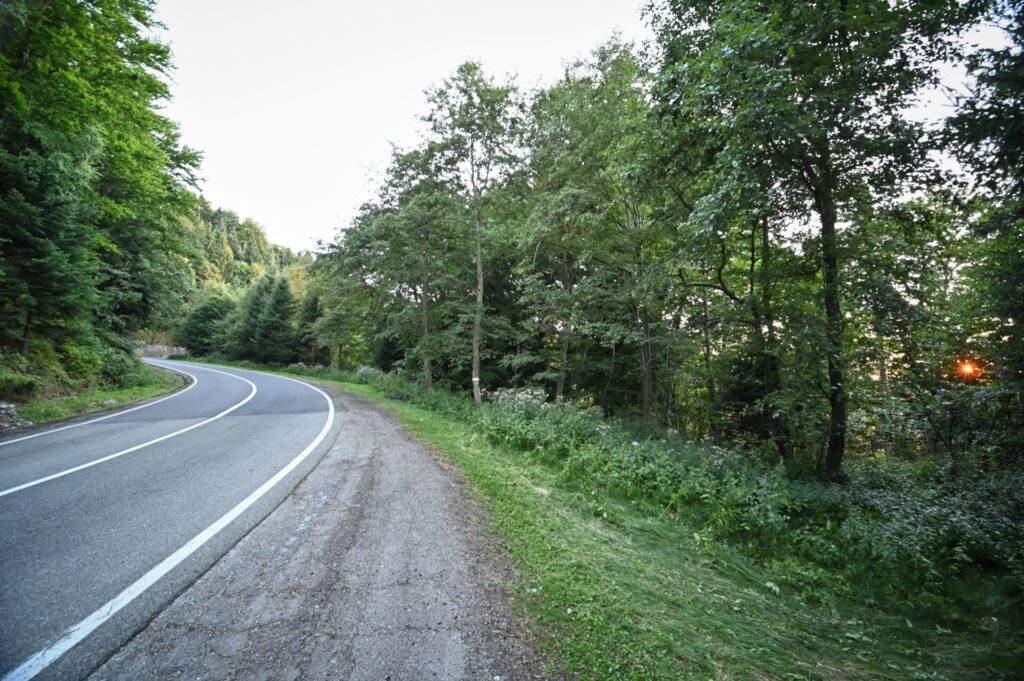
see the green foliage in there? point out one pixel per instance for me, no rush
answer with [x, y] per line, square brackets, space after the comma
[148, 383]
[988, 130]
[722, 246]
[896, 532]
[737, 570]
[275, 338]
[202, 330]
[93, 181]
[240, 338]
[225, 249]
[16, 381]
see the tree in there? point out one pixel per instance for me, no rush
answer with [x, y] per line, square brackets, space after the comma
[93, 177]
[309, 313]
[820, 91]
[240, 340]
[203, 329]
[275, 337]
[987, 134]
[48, 263]
[596, 236]
[475, 126]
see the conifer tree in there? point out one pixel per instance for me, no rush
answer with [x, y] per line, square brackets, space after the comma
[275, 338]
[241, 337]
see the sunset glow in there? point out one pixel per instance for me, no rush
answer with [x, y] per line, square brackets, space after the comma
[969, 370]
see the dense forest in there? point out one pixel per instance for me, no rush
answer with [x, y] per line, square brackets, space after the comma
[736, 240]
[739, 235]
[103, 240]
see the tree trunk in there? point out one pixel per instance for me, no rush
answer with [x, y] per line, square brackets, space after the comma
[479, 312]
[766, 280]
[428, 376]
[887, 439]
[646, 380]
[608, 381]
[825, 203]
[26, 335]
[773, 374]
[709, 376]
[562, 359]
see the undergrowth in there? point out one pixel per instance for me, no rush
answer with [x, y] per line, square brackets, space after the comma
[57, 370]
[149, 383]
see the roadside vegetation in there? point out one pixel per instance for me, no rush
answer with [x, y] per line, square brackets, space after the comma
[149, 383]
[725, 302]
[46, 387]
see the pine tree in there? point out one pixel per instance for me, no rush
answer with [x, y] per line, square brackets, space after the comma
[308, 316]
[241, 337]
[200, 330]
[276, 339]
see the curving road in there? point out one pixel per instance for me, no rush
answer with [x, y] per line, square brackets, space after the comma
[103, 521]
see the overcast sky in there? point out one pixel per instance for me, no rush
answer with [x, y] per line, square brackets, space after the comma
[294, 104]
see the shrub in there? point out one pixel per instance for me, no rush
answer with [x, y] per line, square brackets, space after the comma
[82, 362]
[368, 375]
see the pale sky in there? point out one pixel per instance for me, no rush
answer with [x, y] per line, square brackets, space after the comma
[295, 104]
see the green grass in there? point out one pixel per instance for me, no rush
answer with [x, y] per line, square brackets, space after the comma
[41, 410]
[617, 591]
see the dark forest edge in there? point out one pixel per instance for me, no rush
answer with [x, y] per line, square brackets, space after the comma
[732, 248]
[103, 243]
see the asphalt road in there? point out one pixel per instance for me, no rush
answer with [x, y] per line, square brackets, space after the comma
[379, 565]
[104, 521]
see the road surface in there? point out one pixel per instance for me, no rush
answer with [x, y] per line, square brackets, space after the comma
[247, 527]
[104, 521]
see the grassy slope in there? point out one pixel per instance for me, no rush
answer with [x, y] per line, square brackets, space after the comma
[41, 410]
[619, 592]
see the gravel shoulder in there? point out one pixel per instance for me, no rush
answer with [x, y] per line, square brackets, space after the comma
[378, 566]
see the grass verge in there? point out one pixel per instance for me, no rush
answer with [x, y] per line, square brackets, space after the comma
[619, 594]
[156, 382]
[615, 590]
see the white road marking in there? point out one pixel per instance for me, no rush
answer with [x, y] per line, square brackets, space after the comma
[74, 635]
[195, 380]
[115, 455]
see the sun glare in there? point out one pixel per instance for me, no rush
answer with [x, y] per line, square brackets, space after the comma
[969, 370]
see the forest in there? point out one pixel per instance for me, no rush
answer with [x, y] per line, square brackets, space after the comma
[729, 274]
